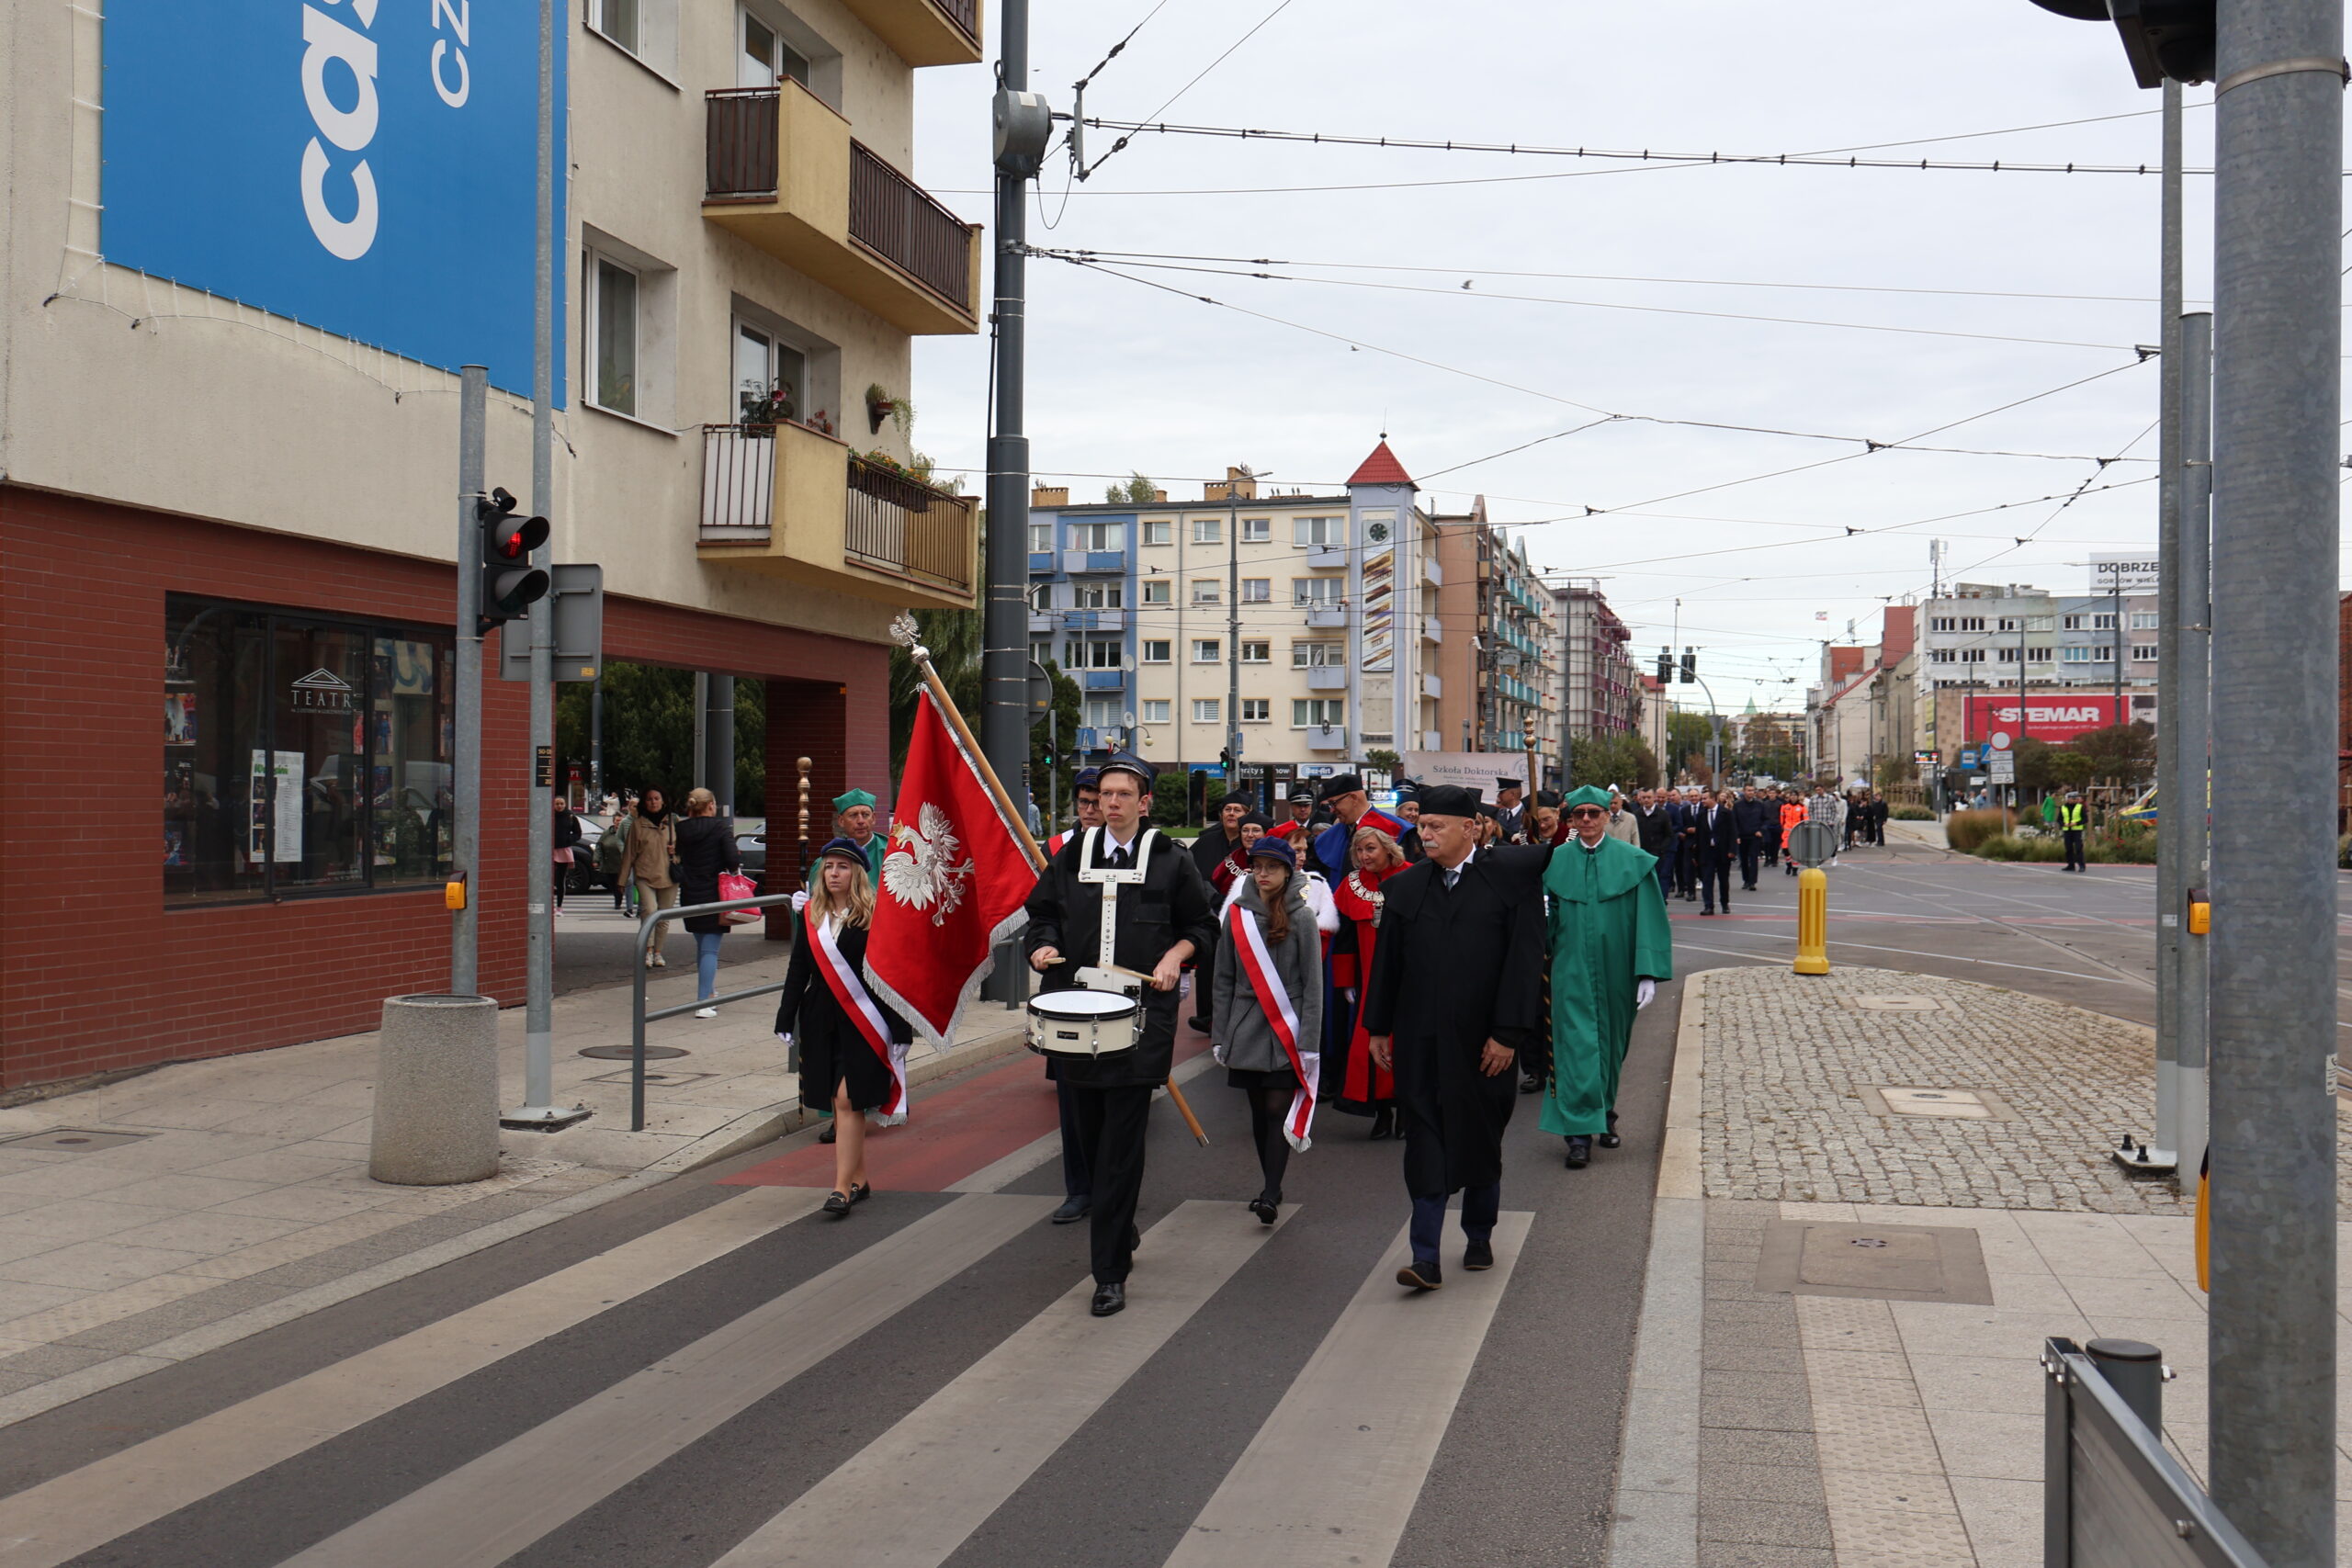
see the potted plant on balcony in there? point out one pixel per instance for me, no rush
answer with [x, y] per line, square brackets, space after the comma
[765, 411]
[880, 405]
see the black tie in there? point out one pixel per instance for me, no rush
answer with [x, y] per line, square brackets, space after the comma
[1118, 859]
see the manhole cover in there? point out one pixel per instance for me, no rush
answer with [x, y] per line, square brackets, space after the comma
[1867, 1241]
[1913, 1263]
[669, 1080]
[622, 1052]
[72, 1141]
[1883, 1003]
[1957, 1104]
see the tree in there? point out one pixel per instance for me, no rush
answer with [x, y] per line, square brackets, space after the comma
[1893, 770]
[1620, 760]
[1688, 736]
[648, 732]
[1134, 491]
[1385, 761]
[2123, 754]
[953, 638]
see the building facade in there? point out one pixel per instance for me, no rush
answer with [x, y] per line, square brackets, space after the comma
[1502, 661]
[2086, 660]
[1600, 691]
[250, 413]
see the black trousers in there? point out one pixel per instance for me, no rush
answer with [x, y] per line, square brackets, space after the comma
[1110, 1127]
[1748, 851]
[1686, 869]
[2075, 861]
[1714, 880]
[1078, 1176]
[1203, 983]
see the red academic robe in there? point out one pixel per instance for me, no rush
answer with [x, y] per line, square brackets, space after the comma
[1362, 1083]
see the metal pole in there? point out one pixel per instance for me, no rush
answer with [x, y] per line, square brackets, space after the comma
[465, 802]
[717, 730]
[596, 742]
[1233, 631]
[2192, 604]
[2172, 822]
[2278, 219]
[698, 765]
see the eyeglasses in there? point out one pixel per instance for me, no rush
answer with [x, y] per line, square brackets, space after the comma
[1587, 811]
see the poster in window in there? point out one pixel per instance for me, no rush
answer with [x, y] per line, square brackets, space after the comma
[174, 845]
[285, 777]
[179, 718]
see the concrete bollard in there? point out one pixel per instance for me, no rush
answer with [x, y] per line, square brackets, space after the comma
[436, 1091]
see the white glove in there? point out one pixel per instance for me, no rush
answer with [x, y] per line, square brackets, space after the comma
[800, 901]
[1643, 991]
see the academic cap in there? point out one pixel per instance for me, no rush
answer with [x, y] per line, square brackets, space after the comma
[1340, 785]
[1449, 800]
[1123, 762]
[1588, 794]
[855, 797]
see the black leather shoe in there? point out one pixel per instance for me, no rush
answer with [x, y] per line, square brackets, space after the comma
[1072, 1210]
[1579, 1152]
[861, 1192]
[1265, 1209]
[1610, 1140]
[1477, 1256]
[827, 1135]
[1383, 1122]
[1530, 1084]
[837, 1204]
[1110, 1298]
[1419, 1276]
[1201, 1024]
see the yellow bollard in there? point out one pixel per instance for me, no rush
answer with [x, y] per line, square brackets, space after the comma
[1813, 921]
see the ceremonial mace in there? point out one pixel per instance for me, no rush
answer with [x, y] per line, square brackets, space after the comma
[804, 764]
[903, 630]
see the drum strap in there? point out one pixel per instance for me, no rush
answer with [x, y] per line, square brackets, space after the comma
[1111, 882]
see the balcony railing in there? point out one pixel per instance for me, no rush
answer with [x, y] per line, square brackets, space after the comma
[739, 143]
[738, 482]
[784, 498]
[896, 219]
[896, 523]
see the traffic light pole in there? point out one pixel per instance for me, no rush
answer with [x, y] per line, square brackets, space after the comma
[2173, 871]
[465, 802]
[2278, 221]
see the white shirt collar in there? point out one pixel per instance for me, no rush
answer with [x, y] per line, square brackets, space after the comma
[1113, 839]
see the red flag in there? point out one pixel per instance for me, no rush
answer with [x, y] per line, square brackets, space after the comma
[953, 879]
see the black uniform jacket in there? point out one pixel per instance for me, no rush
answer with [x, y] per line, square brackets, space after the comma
[1755, 815]
[1452, 971]
[1171, 904]
[1719, 832]
[1655, 829]
[832, 1051]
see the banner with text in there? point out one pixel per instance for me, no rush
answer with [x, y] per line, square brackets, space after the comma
[2051, 717]
[1471, 769]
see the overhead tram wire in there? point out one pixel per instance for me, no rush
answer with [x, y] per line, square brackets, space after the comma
[1116, 146]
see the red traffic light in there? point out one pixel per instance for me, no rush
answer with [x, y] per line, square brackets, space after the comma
[515, 538]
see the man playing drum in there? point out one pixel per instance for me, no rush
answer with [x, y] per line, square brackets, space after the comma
[1121, 908]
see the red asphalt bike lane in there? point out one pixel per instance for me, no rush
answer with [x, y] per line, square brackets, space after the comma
[947, 1135]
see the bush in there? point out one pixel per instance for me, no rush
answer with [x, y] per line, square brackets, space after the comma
[2126, 843]
[1967, 830]
[1911, 814]
[2008, 847]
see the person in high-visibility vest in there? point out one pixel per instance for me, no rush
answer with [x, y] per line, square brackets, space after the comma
[2071, 822]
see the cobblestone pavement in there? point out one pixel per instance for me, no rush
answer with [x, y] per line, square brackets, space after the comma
[1793, 1111]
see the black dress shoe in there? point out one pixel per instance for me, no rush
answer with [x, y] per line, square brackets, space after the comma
[1383, 1122]
[1530, 1084]
[1478, 1256]
[837, 1204]
[1579, 1152]
[827, 1135]
[1201, 1024]
[1419, 1276]
[861, 1192]
[1110, 1298]
[1265, 1209]
[1610, 1140]
[1072, 1210]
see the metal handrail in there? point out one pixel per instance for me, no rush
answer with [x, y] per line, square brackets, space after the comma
[639, 1018]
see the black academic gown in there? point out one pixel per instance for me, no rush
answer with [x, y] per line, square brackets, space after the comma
[1452, 971]
[1171, 904]
[832, 1051]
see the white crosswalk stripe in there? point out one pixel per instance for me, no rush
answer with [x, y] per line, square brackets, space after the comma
[911, 1497]
[1332, 1476]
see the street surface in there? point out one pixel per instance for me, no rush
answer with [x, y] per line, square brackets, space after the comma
[708, 1372]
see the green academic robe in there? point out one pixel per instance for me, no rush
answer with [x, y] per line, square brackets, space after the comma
[1608, 928]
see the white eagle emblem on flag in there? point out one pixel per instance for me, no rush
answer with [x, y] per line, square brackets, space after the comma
[921, 870]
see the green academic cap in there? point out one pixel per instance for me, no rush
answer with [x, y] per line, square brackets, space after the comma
[856, 797]
[1589, 794]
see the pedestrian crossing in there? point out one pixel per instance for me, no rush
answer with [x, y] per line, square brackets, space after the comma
[1365, 1413]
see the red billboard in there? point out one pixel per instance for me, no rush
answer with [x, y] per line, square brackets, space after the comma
[2054, 717]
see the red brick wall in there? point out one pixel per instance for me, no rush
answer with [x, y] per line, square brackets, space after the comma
[95, 973]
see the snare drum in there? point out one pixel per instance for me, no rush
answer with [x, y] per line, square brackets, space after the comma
[1082, 1024]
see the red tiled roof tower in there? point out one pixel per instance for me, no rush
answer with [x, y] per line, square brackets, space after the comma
[1381, 469]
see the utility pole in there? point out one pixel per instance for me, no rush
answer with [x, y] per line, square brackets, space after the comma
[2278, 219]
[1022, 129]
[2173, 873]
[465, 841]
[2193, 603]
[1233, 627]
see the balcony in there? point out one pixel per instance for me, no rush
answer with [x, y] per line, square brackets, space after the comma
[1327, 558]
[1432, 573]
[1041, 560]
[1092, 620]
[1326, 677]
[781, 171]
[1433, 686]
[1076, 561]
[1326, 737]
[1040, 621]
[925, 32]
[1432, 629]
[1326, 617]
[1103, 679]
[785, 499]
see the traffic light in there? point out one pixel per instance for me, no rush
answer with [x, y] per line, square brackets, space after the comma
[510, 583]
[2162, 38]
[1689, 665]
[1664, 665]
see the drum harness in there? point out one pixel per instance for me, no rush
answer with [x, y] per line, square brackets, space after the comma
[1103, 974]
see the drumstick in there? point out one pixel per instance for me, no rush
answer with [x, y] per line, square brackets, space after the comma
[1190, 1120]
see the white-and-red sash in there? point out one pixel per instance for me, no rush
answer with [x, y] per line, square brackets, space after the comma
[1257, 963]
[863, 1012]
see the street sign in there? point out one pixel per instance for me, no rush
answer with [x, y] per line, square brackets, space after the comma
[1811, 843]
[576, 600]
[2003, 767]
[2000, 740]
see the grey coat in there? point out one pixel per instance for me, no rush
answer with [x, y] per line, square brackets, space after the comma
[1238, 1030]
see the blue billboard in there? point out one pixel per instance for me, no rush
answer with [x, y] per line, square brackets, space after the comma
[366, 166]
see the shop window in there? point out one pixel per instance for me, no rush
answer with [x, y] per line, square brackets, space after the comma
[301, 754]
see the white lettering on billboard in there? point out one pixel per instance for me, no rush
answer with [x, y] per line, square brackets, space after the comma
[328, 40]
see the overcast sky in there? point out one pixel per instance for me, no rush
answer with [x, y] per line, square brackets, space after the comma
[1123, 377]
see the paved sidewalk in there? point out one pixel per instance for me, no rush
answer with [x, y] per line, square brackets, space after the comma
[1857, 1298]
[238, 1197]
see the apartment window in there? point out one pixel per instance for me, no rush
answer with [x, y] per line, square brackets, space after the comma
[1155, 650]
[1041, 597]
[1204, 710]
[1257, 710]
[771, 373]
[1043, 652]
[2143, 620]
[1097, 536]
[2103, 623]
[766, 58]
[1208, 530]
[1155, 709]
[2005, 655]
[1257, 530]
[2040, 624]
[1041, 538]
[618, 20]
[1972, 656]
[2008, 623]
[1256, 653]
[1943, 624]
[1314, 655]
[2144, 653]
[1208, 649]
[2074, 623]
[1941, 655]
[1306, 711]
[1156, 530]
[1157, 590]
[1972, 623]
[613, 334]
[1208, 590]
[2103, 654]
[1316, 592]
[301, 754]
[1101, 595]
[1256, 591]
[2037, 653]
[1317, 533]
[1102, 713]
[1080, 654]
[2075, 655]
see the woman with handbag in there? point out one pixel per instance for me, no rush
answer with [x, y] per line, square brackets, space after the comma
[1267, 1014]
[647, 866]
[853, 1049]
[705, 850]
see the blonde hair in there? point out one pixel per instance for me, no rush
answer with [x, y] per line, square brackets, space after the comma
[1389, 846]
[855, 908]
[697, 799]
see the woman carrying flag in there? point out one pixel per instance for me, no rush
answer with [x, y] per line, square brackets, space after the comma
[853, 1049]
[1267, 1018]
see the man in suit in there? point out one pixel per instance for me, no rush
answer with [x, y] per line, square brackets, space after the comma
[1653, 831]
[1508, 812]
[1755, 815]
[1718, 839]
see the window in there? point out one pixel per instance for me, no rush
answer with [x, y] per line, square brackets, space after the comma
[2103, 623]
[1102, 713]
[1101, 595]
[1316, 592]
[2143, 620]
[2005, 655]
[1097, 536]
[768, 371]
[301, 754]
[1318, 533]
[1941, 655]
[1208, 530]
[1943, 624]
[2037, 653]
[1257, 710]
[2074, 623]
[1972, 656]
[1080, 654]
[1156, 530]
[1314, 655]
[1157, 590]
[1043, 652]
[1041, 597]
[1208, 651]
[1208, 590]
[617, 19]
[2040, 624]
[2103, 654]
[1155, 650]
[1305, 711]
[2075, 655]
[1972, 623]
[1204, 710]
[613, 334]
[1257, 653]
[1257, 530]
[1155, 709]
[1041, 538]
[766, 58]
[2144, 653]
[2008, 623]
[1256, 591]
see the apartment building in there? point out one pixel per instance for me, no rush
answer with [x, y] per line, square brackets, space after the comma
[1600, 691]
[1502, 681]
[2088, 662]
[229, 341]
[1323, 607]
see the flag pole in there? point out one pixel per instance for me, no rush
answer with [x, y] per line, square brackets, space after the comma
[903, 629]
